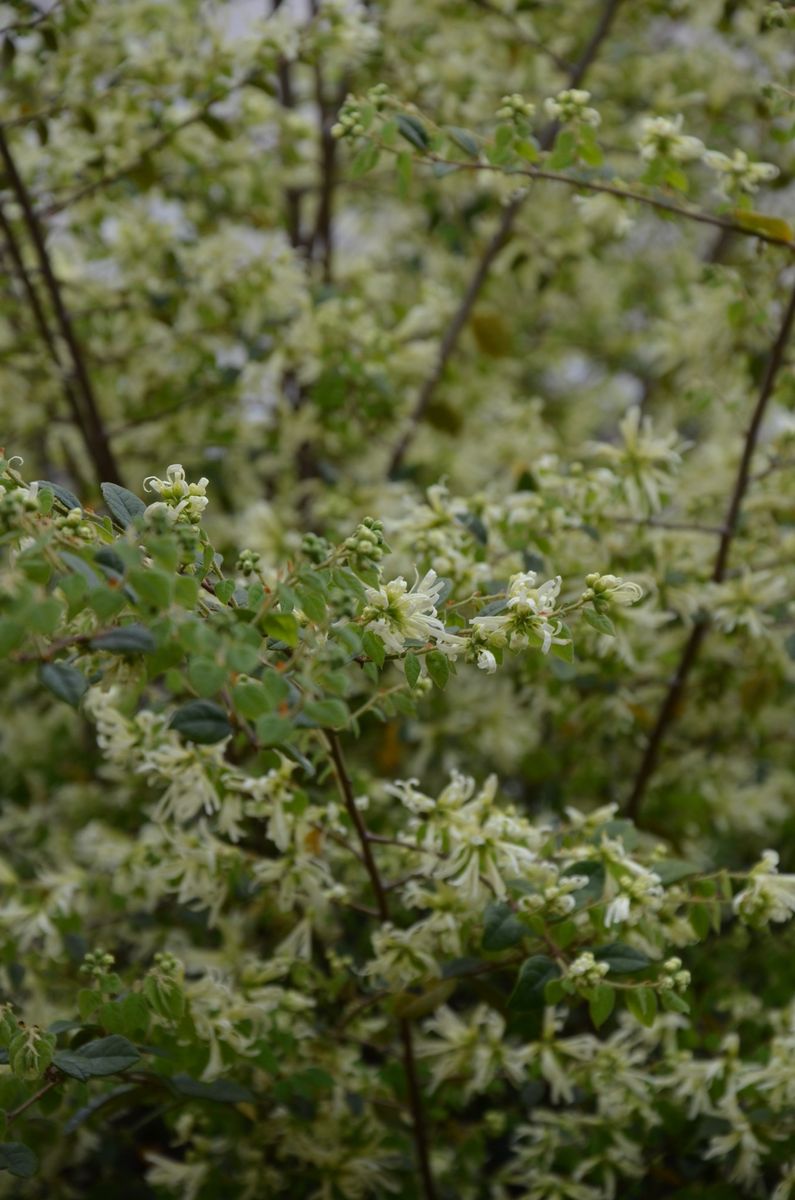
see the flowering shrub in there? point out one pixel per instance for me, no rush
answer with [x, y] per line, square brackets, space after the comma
[390, 788]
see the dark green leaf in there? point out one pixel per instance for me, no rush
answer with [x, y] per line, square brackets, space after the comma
[501, 927]
[65, 681]
[18, 1160]
[201, 721]
[126, 639]
[622, 960]
[535, 973]
[222, 1091]
[464, 140]
[413, 131]
[68, 499]
[124, 506]
[105, 1056]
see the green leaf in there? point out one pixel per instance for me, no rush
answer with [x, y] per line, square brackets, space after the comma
[43, 617]
[273, 730]
[501, 927]
[105, 1056]
[283, 627]
[164, 994]
[128, 1015]
[124, 506]
[622, 960]
[64, 681]
[673, 1002]
[251, 699]
[12, 633]
[88, 1001]
[364, 161]
[221, 1091]
[206, 677]
[535, 973]
[599, 622]
[671, 870]
[126, 639]
[565, 150]
[201, 721]
[153, 588]
[18, 1160]
[186, 591]
[642, 1003]
[601, 1001]
[331, 713]
[373, 647]
[413, 131]
[464, 140]
[438, 667]
[312, 604]
[68, 499]
[411, 665]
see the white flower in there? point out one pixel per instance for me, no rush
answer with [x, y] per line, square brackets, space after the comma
[487, 662]
[188, 500]
[529, 615]
[661, 137]
[768, 896]
[572, 105]
[739, 171]
[399, 614]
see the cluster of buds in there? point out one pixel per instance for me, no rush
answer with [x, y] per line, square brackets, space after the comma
[673, 977]
[739, 172]
[662, 137]
[315, 548]
[379, 96]
[180, 500]
[585, 972]
[366, 544]
[556, 900]
[603, 588]
[571, 107]
[75, 523]
[516, 109]
[349, 120]
[248, 562]
[16, 501]
[97, 964]
[637, 895]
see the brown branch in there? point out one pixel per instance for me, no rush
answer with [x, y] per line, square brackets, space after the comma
[41, 322]
[497, 242]
[409, 1063]
[624, 193]
[671, 704]
[34, 1099]
[90, 423]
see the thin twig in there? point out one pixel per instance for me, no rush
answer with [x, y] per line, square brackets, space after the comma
[623, 193]
[91, 424]
[409, 1064]
[671, 704]
[498, 240]
[17, 1112]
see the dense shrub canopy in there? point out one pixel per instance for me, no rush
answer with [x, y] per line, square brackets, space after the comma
[398, 526]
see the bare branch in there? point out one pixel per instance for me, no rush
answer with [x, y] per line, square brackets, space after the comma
[672, 702]
[495, 245]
